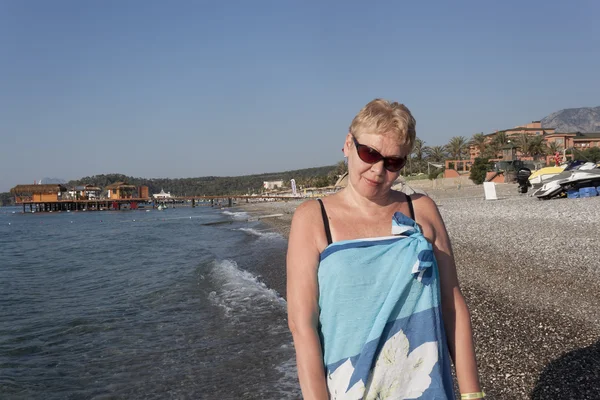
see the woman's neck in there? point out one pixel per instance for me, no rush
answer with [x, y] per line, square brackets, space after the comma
[355, 200]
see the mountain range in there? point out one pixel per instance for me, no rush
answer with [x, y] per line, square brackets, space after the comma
[584, 119]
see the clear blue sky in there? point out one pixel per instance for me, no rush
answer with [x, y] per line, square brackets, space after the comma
[197, 88]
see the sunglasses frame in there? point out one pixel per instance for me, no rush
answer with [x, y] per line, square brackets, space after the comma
[378, 156]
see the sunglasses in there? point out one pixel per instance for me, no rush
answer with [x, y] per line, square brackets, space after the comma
[372, 156]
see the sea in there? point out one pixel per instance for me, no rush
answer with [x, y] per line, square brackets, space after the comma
[184, 303]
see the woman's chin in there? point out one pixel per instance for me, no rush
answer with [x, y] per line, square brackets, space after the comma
[371, 190]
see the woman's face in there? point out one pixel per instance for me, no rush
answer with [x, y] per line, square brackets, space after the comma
[373, 180]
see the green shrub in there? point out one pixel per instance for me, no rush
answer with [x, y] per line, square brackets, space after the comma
[436, 173]
[479, 170]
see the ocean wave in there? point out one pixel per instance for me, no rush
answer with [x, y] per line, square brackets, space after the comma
[236, 214]
[238, 292]
[260, 234]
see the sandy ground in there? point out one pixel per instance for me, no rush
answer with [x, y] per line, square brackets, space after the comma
[530, 271]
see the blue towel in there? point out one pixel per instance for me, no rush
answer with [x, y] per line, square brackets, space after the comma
[381, 326]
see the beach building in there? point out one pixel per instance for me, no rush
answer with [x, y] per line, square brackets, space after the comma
[38, 193]
[162, 195]
[269, 185]
[85, 192]
[577, 140]
[512, 151]
[121, 190]
[532, 129]
[56, 197]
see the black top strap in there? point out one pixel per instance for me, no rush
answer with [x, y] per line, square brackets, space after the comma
[411, 208]
[325, 222]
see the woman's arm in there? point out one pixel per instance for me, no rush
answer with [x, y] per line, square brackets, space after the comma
[457, 319]
[302, 301]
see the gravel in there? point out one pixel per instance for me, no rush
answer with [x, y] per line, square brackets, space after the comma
[530, 272]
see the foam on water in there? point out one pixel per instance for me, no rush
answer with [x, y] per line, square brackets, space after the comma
[260, 234]
[239, 292]
[237, 215]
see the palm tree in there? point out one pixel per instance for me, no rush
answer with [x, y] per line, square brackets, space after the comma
[418, 148]
[523, 142]
[435, 153]
[501, 138]
[554, 147]
[417, 154]
[495, 146]
[480, 142]
[457, 147]
[537, 146]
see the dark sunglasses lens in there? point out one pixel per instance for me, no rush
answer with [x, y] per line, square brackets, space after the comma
[368, 155]
[395, 164]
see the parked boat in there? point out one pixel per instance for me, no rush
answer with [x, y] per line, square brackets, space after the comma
[574, 177]
[541, 176]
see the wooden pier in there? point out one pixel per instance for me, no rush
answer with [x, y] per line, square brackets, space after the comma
[120, 196]
[137, 203]
[84, 205]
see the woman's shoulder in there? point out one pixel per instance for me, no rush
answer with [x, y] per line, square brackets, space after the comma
[425, 209]
[307, 209]
[423, 201]
[307, 225]
[307, 215]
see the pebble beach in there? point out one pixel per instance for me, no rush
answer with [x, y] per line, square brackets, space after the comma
[530, 271]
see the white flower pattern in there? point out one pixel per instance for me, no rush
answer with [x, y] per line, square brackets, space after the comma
[338, 382]
[396, 375]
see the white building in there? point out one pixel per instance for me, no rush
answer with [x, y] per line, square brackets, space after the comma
[162, 195]
[272, 184]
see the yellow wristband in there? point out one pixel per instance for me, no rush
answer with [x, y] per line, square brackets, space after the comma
[476, 395]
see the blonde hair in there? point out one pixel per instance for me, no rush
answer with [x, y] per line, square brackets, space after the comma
[382, 117]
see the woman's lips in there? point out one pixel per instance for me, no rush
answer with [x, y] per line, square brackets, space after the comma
[370, 182]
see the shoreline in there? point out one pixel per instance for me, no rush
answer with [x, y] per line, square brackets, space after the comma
[530, 273]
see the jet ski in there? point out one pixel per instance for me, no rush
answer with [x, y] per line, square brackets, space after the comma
[575, 176]
[543, 175]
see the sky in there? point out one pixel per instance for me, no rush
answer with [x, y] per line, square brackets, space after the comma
[177, 89]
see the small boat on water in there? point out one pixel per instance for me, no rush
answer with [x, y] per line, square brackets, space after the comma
[160, 207]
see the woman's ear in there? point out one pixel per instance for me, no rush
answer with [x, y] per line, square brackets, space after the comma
[347, 145]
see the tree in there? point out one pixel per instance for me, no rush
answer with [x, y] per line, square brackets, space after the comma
[523, 142]
[533, 146]
[418, 149]
[479, 141]
[553, 147]
[537, 146]
[6, 199]
[479, 170]
[500, 138]
[457, 147]
[590, 155]
[435, 153]
[495, 146]
[417, 154]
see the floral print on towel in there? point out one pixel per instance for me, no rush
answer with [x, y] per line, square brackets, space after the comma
[397, 374]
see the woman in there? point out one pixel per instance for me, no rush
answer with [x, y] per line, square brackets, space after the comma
[374, 303]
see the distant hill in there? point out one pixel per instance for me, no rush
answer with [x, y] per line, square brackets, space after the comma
[217, 185]
[585, 119]
[210, 185]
